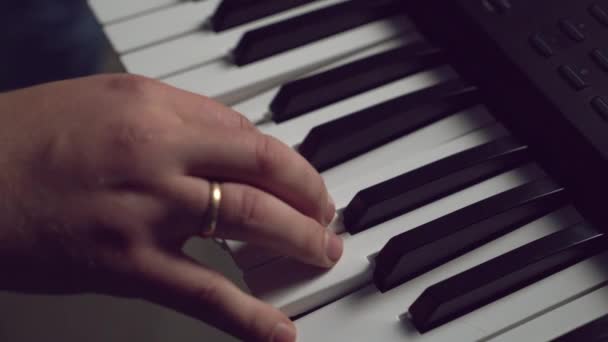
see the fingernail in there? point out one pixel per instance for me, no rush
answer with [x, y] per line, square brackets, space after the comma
[331, 210]
[283, 333]
[333, 247]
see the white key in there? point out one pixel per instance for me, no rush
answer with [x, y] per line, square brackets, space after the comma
[249, 256]
[201, 47]
[293, 132]
[108, 11]
[557, 322]
[368, 315]
[257, 108]
[230, 84]
[160, 25]
[301, 288]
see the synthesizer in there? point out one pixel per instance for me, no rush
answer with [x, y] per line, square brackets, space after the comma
[463, 142]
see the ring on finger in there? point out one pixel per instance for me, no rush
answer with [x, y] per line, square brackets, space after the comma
[211, 218]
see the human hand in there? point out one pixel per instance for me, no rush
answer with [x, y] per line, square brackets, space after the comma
[103, 180]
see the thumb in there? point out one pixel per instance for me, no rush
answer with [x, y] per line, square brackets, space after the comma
[178, 282]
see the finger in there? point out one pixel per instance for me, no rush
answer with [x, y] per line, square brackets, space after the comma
[178, 282]
[261, 161]
[249, 214]
[203, 111]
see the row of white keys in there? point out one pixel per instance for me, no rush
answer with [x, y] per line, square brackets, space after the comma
[416, 153]
[108, 11]
[367, 314]
[257, 108]
[555, 323]
[231, 84]
[203, 46]
[160, 25]
[302, 288]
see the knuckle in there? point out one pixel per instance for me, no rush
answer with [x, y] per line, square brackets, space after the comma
[129, 85]
[128, 136]
[267, 155]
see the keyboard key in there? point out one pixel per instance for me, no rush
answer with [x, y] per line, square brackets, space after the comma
[576, 81]
[310, 93]
[289, 34]
[505, 274]
[352, 135]
[414, 252]
[540, 44]
[572, 30]
[431, 182]
[574, 321]
[231, 13]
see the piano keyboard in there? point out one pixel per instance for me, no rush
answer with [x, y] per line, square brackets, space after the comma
[451, 230]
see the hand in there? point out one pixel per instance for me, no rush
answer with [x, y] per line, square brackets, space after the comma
[103, 180]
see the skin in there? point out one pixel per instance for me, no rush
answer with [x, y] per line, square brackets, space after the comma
[105, 178]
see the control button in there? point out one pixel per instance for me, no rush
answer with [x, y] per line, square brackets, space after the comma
[600, 105]
[600, 59]
[599, 13]
[541, 45]
[500, 6]
[574, 79]
[572, 30]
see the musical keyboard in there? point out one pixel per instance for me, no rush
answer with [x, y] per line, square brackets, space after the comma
[452, 227]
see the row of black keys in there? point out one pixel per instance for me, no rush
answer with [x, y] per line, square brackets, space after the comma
[441, 240]
[291, 33]
[448, 237]
[455, 234]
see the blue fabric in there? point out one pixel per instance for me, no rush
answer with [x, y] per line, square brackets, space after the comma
[47, 40]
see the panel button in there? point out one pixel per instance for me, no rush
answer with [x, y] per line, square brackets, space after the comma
[500, 6]
[600, 58]
[600, 105]
[599, 13]
[540, 44]
[575, 79]
[572, 30]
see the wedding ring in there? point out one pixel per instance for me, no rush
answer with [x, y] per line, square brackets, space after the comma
[210, 221]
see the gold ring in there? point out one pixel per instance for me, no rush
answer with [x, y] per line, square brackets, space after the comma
[210, 221]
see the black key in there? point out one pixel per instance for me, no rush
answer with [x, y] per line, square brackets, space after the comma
[414, 189]
[419, 250]
[310, 93]
[504, 275]
[231, 13]
[298, 31]
[342, 139]
[596, 331]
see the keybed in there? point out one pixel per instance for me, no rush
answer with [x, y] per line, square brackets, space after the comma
[402, 142]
